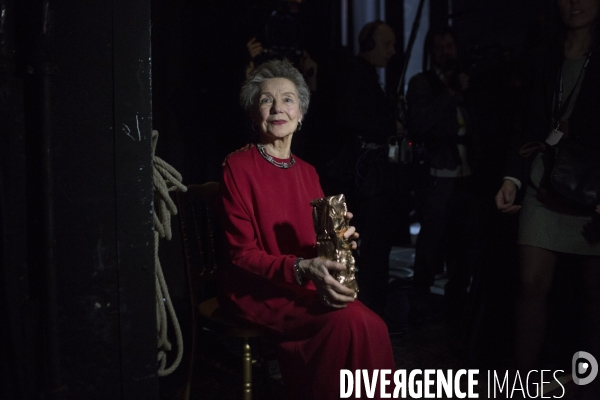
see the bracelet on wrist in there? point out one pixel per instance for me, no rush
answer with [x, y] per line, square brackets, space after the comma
[297, 272]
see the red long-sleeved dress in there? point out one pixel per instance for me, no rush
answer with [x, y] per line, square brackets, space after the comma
[268, 224]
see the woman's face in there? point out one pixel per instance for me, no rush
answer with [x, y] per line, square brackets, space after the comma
[278, 108]
[578, 14]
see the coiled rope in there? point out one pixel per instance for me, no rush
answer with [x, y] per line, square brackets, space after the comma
[166, 179]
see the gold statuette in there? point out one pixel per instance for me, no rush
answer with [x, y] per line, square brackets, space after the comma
[330, 226]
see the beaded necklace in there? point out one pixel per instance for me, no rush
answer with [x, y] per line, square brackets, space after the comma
[269, 158]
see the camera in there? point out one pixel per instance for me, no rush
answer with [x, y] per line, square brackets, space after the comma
[293, 54]
[282, 35]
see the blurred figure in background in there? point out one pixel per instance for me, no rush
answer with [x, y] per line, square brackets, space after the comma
[438, 118]
[363, 169]
[281, 34]
[306, 65]
[282, 37]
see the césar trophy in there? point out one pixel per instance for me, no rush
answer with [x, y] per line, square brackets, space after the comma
[330, 225]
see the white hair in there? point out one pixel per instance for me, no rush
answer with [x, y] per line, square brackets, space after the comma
[273, 69]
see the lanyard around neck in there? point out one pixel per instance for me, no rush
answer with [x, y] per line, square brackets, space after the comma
[560, 108]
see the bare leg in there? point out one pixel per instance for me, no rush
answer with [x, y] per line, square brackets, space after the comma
[536, 270]
[591, 287]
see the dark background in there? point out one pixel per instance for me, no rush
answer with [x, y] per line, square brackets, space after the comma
[77, 280]
[199, 54]
[78, 300]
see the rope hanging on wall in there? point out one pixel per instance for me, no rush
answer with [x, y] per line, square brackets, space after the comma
[166, 179]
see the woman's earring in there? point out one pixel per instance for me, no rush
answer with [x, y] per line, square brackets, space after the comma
[253, 128]
[299, 125]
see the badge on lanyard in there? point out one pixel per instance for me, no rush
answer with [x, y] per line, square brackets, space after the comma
[560, 108]
[555, 135]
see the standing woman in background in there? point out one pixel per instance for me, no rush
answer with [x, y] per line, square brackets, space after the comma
[549, 227]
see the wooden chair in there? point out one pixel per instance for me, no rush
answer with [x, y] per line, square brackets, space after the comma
[199, 234]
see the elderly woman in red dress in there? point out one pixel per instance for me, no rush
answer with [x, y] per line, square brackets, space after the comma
[275, 279]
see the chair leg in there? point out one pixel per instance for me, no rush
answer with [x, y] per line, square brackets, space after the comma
[246, 370]
[265, 368]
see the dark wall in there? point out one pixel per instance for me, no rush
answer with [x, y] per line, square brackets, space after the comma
[16, 306]
[76, 203]
[504, 23]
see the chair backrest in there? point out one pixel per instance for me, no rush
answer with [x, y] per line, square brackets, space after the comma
[200, 233]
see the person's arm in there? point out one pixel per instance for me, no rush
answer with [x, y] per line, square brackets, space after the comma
[308, 67]
[505, 199]
[254, 49]
[514, 180]
[242, 238]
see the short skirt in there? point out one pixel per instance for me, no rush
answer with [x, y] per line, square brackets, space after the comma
[543, 227]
